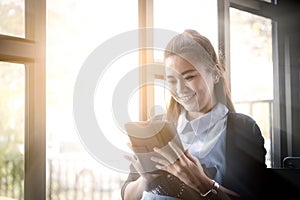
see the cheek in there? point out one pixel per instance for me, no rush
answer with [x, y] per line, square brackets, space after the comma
[202, 90]
[198, 87]
[171, 88]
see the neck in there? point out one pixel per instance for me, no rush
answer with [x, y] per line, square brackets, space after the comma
[193, 115]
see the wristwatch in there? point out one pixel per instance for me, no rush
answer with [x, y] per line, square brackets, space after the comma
[213, 190]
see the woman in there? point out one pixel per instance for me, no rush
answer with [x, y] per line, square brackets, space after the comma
[224, 155]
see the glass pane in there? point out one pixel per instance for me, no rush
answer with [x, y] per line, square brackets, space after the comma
[252, 69]
[200, 15]
[12, 111]
[125, 66]
[12, 15]
[161, 98]
[75, 28]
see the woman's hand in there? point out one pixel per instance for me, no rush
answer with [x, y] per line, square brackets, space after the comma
[138, 167]
[148, 177]
[187, 168]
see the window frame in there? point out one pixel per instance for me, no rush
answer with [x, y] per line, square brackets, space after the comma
[31, 51]
[280, 115]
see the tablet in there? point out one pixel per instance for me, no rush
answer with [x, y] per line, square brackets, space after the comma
[145, 135]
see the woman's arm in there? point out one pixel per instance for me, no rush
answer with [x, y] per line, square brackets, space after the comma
[134, 190]
[189, 170]
[137, 181]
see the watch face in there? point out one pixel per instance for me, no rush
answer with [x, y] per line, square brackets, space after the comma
[214, 191]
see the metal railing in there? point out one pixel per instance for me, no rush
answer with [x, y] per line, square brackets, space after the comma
[77, 179]
[12, 178]
[66, 179]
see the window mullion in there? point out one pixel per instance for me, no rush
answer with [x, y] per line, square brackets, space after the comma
[146, 99]
[35, 120]
[224, 36]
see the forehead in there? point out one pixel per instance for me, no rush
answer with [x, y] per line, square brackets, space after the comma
[176, 64]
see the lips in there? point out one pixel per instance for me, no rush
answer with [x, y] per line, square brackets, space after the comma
[185, 98]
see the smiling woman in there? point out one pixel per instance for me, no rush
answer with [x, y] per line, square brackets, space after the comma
[211, 131]
[185, 83]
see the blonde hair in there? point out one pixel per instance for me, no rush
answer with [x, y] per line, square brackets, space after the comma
[196, 48]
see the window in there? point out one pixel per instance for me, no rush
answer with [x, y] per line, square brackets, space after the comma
[245, 39]
[75, 29]
[12, 127]
[193, 14]
[251, 70]
[12, 14]
[22, 57]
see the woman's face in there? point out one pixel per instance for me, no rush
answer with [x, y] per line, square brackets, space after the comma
[191, 87]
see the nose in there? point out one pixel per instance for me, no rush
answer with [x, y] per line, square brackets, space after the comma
[181, 86]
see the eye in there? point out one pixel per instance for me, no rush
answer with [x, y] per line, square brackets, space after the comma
[189, 78]
[171, 81]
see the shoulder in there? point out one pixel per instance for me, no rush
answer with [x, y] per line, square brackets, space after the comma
[240, 118]
[239, 121]
[243, 126]
[245, 134]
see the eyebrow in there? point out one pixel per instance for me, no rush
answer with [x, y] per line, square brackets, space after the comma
[188, 71]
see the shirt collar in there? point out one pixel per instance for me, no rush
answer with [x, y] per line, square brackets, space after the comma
[207, 120]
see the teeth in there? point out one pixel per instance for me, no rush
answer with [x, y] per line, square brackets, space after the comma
[185, 98]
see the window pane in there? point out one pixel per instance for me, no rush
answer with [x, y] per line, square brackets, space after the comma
[200, 15]
[252, 69]
[161, 98]
[12, 110]
[124, 66]
[12, 15]
[75, 28]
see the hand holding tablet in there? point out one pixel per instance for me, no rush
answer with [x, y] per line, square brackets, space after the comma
[145, 135]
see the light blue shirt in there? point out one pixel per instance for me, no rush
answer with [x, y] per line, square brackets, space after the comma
[205, 138]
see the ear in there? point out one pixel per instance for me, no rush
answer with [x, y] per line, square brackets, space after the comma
[217, 74]
[216, 78]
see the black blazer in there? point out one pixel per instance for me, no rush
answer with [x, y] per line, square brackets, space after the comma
[245, 158]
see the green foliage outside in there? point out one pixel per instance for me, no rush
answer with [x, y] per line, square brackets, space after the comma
[12, 107]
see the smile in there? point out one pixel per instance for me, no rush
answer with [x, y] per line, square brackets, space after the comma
[186, 98]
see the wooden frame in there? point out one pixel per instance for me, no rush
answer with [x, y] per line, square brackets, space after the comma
[31, 51]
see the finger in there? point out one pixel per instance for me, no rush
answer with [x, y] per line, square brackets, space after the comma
[176, 149]
[161, 161]
[191, 157]
[129, 158]
[135, 163]
[160, 167]
[130, 145]
[167, 153]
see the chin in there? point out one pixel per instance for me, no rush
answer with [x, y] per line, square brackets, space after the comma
[192, 108]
